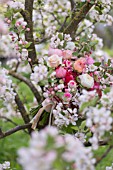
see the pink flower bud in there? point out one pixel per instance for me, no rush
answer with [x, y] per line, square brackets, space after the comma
[23, 27]
[28, 29]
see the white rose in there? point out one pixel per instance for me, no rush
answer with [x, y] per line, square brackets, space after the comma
[86, 80]
[54, 61]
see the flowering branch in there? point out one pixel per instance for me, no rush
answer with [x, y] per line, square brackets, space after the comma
[77, 18]
[27, 82]
[15, 129]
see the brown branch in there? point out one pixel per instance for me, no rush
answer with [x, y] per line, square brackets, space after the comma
[21, 108]
[77, 18]
[28, 83]
[27, 15]
[72, 4]
[104, 155]
[9, 120]
[16, 129]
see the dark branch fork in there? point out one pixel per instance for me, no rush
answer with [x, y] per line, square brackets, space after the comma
[14, 130]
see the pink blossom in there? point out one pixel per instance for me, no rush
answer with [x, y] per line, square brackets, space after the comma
[60, 72]
[3, 27]
[55, 51]
[89, 60]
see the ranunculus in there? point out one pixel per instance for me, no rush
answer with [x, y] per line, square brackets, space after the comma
[79, 65]
[86, 80]
[54, 61]
[72, 84]
[67, 96]
[55, 51]
[60, 72]
[67, 54]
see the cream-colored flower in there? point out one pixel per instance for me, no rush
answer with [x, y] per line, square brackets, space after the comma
[86, 80]
[54, 61]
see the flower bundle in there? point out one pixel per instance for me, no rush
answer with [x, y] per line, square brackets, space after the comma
[72, 85]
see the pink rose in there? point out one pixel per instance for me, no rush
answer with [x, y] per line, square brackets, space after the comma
[54, 61]
[60, 72]
[67, 54]
[55, 51]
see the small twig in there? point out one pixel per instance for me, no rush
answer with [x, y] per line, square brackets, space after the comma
[104, 155]
[15, 129]
[9, 120]
[77, 18]
[63, 25]
[27, 82]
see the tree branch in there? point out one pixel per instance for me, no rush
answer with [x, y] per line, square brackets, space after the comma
[27, 82]
[16, 129]
[72, 4]
[9, 120]
[22, 109]
[77, 18]
[104, 155]
[27, 15]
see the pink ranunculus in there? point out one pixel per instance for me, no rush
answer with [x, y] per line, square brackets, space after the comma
[55, 51]
[80, 65]
[89, 60]
[67, 54]
[60, 72]
[72, 84]
[67, 96]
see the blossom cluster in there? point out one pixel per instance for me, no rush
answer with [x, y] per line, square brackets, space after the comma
[5, 165]
[109, 167]
[7, 94]
[48, 147]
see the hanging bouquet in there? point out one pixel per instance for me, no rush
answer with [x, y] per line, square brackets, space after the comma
[74, 87]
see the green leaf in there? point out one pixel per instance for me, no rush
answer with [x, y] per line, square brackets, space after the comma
[28, 45]
[97, 64]
[89, 103]
[75, 128]
[75, 53]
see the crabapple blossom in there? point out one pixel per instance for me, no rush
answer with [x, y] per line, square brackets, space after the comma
[40, 151]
